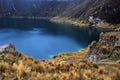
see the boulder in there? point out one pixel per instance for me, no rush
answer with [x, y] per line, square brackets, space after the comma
[7, 48]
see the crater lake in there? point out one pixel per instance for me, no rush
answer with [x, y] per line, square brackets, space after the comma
[43, 39]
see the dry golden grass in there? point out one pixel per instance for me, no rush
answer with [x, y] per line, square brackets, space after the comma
[87, 74]
[20, 68]
[75, 57]
[25, 68]
[107, 78]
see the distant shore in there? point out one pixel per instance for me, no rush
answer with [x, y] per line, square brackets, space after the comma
[72, 21]
[84, 23]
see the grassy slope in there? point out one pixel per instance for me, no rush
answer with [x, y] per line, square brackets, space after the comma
[16, 66]
[71, 57]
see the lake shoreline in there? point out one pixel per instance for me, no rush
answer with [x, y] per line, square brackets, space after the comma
[84, 23]
[87, 27]
[73, 21]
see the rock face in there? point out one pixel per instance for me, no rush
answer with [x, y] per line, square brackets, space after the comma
[7, 48]
[108, 47]
[106, 10]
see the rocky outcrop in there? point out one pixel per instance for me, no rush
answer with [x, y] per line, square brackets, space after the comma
[7, 48]
[108, 47]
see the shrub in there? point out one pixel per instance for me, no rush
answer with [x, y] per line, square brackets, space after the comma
[3, 66]
[87, 74]
[20, 69]
[40, 67]
[101, 70]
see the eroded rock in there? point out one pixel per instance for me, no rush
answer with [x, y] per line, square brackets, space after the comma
[7, 48]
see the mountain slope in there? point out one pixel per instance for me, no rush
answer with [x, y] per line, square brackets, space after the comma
[78, 8]
[37, 8]
[107, 10]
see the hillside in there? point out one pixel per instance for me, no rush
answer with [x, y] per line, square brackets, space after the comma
[107, 10]
[32, 8]
[78, 8]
